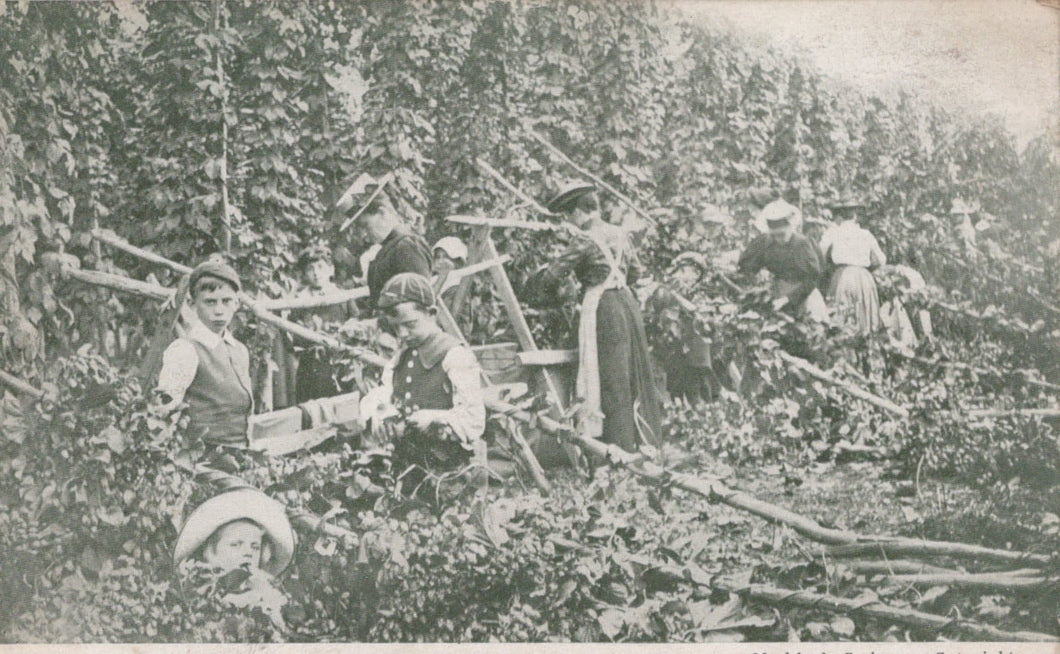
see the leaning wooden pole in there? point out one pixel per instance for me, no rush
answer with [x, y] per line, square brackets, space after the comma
[255, 307]
[846, 387]
[596, 178]
[881, 611]
[847, 543]
[108, 237]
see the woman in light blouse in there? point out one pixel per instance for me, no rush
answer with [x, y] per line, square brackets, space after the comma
[854, 252]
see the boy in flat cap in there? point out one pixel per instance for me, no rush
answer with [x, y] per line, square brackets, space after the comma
[207, 367]
[314, 378]
[433, 383]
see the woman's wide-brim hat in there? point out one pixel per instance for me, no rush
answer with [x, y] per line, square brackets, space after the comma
[239, 504]
[778, 212]
[567, 194]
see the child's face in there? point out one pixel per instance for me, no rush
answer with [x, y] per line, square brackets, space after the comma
[319, 273]
[443, 261]
[236, 544]
[215, 308]
[412, 325]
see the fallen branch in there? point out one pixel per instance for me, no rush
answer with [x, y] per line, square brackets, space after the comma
[995, 413]
[992, 581]
[897, 547]
[847, 387]
[16, 384]
[611, 189]
[772, 595]
[881, 611]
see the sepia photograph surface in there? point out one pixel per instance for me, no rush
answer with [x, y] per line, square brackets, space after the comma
[730, 325]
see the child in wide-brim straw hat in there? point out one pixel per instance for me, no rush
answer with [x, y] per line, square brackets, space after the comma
[240, 529]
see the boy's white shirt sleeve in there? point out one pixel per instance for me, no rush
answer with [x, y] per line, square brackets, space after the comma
[468, 415]
[377, 403]
[179, 365]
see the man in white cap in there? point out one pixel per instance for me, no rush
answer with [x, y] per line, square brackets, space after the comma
[793, 260]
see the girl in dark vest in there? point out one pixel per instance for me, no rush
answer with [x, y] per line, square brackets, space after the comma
[207, 367]
[432, 386]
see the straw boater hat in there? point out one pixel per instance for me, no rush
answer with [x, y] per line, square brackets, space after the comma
[239, 504]
[567, 194]
[452, 246]
[778, 212]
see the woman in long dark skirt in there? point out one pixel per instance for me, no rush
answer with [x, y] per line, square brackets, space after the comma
[620, 403]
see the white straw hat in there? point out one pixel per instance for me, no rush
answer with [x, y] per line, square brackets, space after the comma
[239, 504]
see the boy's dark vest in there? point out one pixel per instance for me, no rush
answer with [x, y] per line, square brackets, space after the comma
[420, 381]
[219, 401]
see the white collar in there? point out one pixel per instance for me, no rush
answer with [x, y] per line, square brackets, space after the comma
[202, 333]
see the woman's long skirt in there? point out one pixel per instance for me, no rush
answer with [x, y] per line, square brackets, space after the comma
[853, 293]
[629, 399]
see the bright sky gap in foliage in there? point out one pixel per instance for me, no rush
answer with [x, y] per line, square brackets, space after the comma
[978, 56]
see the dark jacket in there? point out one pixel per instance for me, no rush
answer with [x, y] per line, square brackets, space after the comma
[401, 251]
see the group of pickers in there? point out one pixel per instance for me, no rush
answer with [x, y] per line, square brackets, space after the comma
[430, 405]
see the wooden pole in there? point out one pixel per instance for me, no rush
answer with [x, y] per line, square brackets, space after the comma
[512, 188]
[846, 387]
[110, 238]
[16, 384]
[846, 543]
[693, 574]
[260, 313]
[897, 547]
[881, 611]
[118, 283]
[990, 581]
[615, 192]
[222, 82]
[504, 222]
[314, 301]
